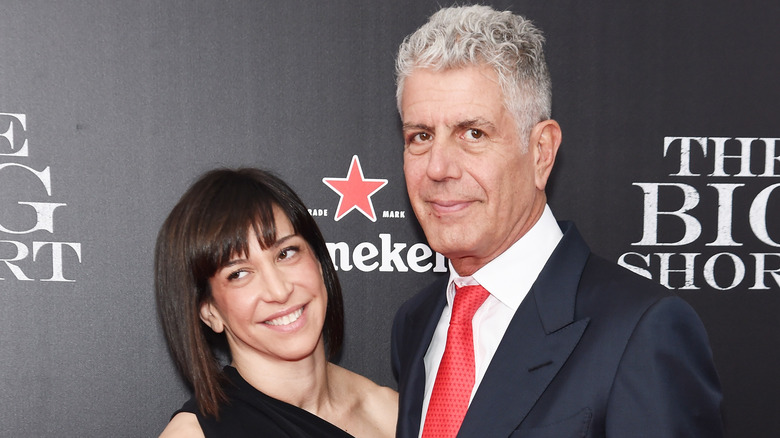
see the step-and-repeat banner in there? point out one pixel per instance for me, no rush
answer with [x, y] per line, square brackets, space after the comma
[670, 166]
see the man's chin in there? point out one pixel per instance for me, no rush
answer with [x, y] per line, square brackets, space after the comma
[450, 246]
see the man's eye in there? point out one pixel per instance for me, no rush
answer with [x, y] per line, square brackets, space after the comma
[418, 143]
[474, 134]
[420, 137]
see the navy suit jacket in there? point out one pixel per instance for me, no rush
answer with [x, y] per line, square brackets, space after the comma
[593, 351]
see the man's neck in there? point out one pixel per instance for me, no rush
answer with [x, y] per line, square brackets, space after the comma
[469, 264]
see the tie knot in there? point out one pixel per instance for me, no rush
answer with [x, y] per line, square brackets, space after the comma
[467, 301]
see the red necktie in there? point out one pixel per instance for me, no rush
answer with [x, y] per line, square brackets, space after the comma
[455, 378]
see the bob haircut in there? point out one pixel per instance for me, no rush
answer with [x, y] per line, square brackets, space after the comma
[207, 227]
[465, 36]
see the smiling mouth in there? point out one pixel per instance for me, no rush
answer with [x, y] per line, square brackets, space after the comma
[443, 207]
[286, 319]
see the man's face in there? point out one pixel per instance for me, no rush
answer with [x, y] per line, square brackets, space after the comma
[473, 189]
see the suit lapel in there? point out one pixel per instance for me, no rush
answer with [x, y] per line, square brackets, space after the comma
[421, 323]
[539, 339]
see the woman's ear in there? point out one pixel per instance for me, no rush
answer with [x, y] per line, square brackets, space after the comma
[210, 316]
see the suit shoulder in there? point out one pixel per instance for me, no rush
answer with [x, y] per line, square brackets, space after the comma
[611, 279]
[607, 290]
[424, 296]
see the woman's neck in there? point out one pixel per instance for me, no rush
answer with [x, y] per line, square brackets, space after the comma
[305, 383]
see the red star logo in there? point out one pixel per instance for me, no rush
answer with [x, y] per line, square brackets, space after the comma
[355, 191]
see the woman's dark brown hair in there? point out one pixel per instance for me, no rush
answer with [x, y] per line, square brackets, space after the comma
[207, 227]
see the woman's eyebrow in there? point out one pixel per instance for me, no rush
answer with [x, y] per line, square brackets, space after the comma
[232, 262]
[279, 242]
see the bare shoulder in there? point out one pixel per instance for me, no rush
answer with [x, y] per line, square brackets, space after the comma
[183, 425]
[376, 406]
[381, 398]
[358, 384]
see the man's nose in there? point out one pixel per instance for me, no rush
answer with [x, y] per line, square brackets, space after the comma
[444, 160]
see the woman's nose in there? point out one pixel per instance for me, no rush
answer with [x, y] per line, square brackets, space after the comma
[277, 287]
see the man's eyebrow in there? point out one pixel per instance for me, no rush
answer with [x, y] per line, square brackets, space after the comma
[474, 123]
[470, 123]
[415, 126]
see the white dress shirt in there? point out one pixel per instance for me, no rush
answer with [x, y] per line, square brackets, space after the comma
[507, 278]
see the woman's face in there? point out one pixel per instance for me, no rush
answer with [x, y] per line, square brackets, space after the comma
[272, 302]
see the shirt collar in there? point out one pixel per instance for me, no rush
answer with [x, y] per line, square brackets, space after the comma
[510, 276]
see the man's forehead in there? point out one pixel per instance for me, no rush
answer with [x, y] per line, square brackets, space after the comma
[451, 109]
[451, 123]
[454, 89]
[483, 71]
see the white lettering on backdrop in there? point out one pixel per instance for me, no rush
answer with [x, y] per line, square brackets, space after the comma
[19, 252]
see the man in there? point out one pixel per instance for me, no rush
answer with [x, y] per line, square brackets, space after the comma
[560, 342]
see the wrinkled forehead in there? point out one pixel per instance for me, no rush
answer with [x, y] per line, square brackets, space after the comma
[451, 96]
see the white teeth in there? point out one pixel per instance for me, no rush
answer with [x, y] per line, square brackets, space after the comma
[286, 319]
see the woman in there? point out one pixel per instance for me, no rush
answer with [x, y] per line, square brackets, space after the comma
[243, 275]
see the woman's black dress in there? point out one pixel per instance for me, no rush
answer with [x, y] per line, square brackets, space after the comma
[250, 413]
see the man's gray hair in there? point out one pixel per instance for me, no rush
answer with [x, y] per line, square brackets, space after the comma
[466, 36]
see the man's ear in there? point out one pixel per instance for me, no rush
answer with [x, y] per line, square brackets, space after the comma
[210, 316]
[545, 140]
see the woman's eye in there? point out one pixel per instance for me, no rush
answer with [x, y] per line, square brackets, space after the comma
[288, 252]
[235, 275]
[474, 134]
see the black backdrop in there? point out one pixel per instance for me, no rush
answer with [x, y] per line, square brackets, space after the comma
[110, 109]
